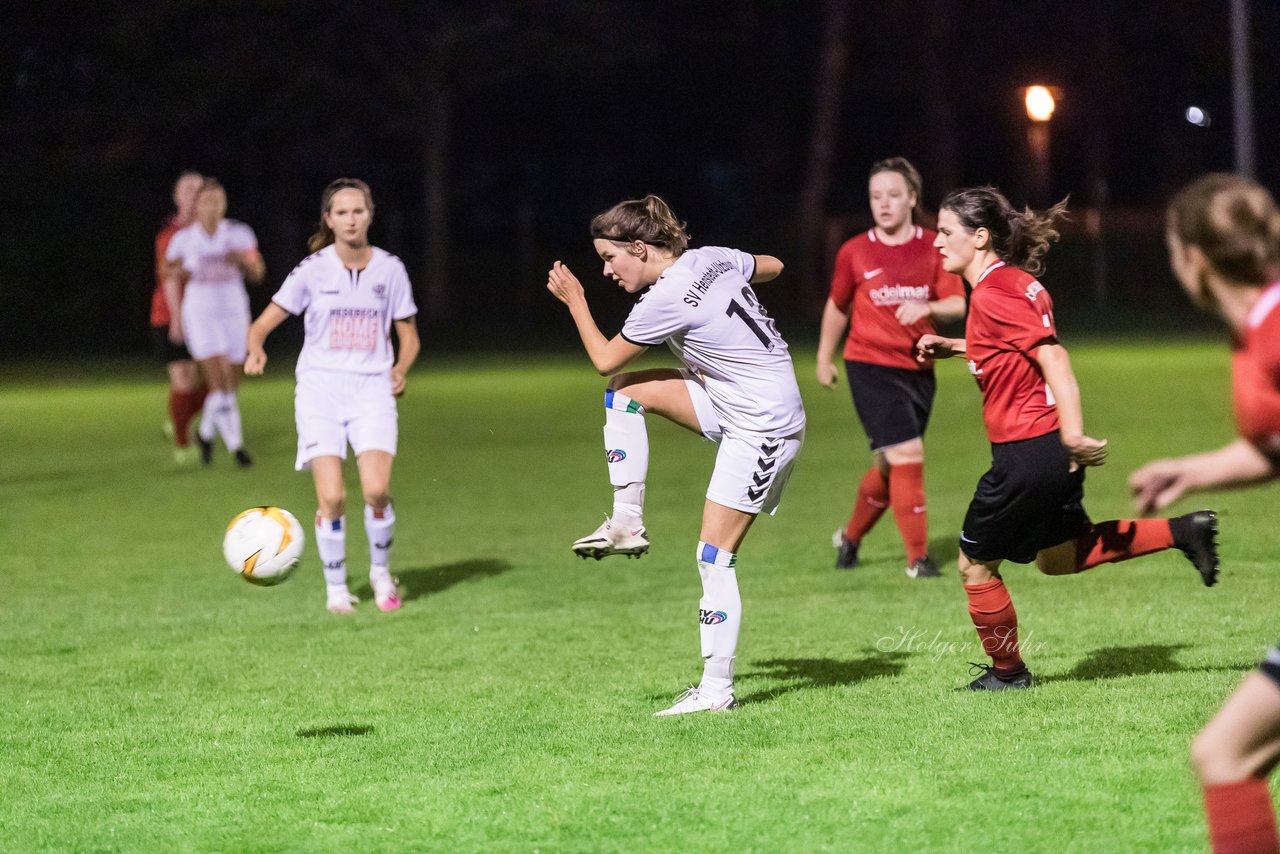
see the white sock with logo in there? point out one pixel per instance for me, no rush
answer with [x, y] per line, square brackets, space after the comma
[208, 429]
[380, 528]
[719, 619]
[626, 443]
[331, 544]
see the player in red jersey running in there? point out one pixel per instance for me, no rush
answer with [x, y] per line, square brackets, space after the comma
[1028, 506]
[186, 392]
[890, 280]
[1224, 247]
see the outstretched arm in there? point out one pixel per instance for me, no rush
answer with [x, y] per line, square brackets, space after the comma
[768, 268]
[937, 347]
[271, 317]
[608, 355]
[1055, 364]
[1161, 482]
[943, 310]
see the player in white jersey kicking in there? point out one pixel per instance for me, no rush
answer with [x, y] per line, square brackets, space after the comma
[350, 294]
[214, 256]
[738, 388]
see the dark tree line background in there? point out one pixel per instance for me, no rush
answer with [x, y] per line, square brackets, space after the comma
[492, 131]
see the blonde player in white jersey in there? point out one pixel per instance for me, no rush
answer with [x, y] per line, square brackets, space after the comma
[350, 294]
[214, 256]
[738, 388]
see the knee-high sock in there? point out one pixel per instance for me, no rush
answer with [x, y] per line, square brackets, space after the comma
[993, 616]
[183, 406]
[626, 444]
[1121, 539]
[380, 528]
[869, 506]
[1241, 818]
[331, 544]
[208, 430]
[719, 618]
[906, 494]
[229, 422]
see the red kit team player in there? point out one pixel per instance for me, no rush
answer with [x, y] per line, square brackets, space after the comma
[1028, 506]
[186, 392]
[1224, 246]
[891, 281]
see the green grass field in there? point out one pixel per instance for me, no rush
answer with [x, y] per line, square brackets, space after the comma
[155, 702]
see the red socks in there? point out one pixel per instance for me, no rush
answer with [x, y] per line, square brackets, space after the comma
[906, 494]
[1121, 539]
[183, 406]
[869, 506]
[993, 616]
[1241, 817]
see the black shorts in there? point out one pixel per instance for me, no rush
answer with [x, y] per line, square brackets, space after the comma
[893, 404]
[1028, 501]
[1270, 665]
[166, 351]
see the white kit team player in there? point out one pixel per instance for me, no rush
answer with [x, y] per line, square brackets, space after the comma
[738, 388]
[215, 255]
[350, 294]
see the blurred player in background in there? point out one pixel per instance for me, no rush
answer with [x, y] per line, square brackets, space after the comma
[186, 394]
[350, 294]
[213, 257]
[891, 281]
[1224, 246]
[738, 388]
[1028, 506]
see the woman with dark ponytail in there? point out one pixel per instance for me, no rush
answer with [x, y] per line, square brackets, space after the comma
[738, 389]
[1029, 506]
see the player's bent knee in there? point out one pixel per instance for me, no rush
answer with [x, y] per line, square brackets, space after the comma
[1216, 757]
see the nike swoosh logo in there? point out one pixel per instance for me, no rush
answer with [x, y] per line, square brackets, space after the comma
[873, 273]
[715, 707]
[919, 509]
[637, 532]
[966, 539]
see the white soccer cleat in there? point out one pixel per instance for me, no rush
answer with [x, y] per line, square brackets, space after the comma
[692, 701]
[386, 594]
[341, 600]
[613, 539]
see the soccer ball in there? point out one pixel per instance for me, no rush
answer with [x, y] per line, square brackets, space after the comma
[264, 545]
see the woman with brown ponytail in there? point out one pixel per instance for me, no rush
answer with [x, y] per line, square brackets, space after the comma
[350, 293]
[1028, 506]
[1223, 233]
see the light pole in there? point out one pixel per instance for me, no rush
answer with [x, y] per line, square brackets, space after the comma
[1040, 105]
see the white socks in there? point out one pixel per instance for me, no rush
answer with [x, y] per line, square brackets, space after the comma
[222, 416]
[719, 619]
[626, 443]
[380, 528]
[331, 544]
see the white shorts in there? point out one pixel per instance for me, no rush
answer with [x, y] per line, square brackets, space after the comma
[334, 408]
[751, 471]
[215, 321]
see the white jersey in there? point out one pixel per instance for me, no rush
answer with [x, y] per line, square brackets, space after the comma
[348, 313]
[704, 309]
[204, 255]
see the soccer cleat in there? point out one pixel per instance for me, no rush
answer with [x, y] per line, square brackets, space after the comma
[846, 550]
[206, 450]
[923, 567]
[692, 701]
[611, 539]
[385, 592]
[243, 460]
[992, 680]
[341, 601]
[1200, 543]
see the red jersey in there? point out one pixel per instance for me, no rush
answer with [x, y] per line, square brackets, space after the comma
[159, 307]
[873, 278]
[1255, 375]
[1010, 317]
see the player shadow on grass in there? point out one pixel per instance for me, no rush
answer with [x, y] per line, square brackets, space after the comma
[334, 731]
[944, 550]
[1112, 662]
[427, 580]
[801, 674]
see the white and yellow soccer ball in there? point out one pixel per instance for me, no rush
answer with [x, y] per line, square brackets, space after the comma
[263, 545]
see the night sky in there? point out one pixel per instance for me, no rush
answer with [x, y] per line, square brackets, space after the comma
[543, 113]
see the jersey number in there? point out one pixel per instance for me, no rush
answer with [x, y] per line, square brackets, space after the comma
[735, 309]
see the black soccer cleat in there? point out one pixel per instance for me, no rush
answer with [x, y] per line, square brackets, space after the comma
[992, 680]
[846, 551]
[206, 450]
[923, 567]
[1196, 535]
[243, 460]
